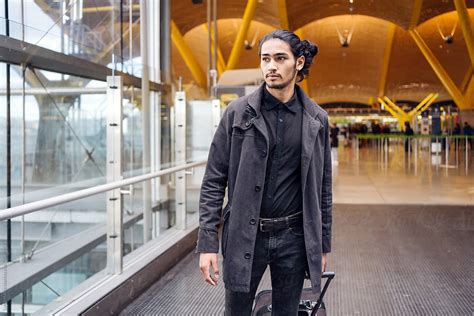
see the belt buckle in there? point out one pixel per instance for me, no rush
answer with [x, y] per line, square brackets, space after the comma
[261, 221]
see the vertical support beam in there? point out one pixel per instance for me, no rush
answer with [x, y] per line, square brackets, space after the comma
[220, 58]
[469, 96]
[443, 76]
[395, 107]
[147, 216]
[180, 156]
[434, 97]
[467, 78]
[389, 109]
[303, 84]
[400, 119]
[466, 27]
[216, 114]
[242, 34]
[282, 10]
[165, 41]
[188, 57]
[386, 59]
[416, 12]
[422, 103]
[155, 17]
[114, 173]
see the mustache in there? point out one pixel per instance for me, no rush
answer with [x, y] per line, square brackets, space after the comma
[272, 74]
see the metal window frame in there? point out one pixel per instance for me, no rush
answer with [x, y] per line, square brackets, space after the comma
[13, 51]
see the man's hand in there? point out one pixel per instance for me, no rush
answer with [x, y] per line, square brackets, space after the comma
[206, 261]
[324, 262]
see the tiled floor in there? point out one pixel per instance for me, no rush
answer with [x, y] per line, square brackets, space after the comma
[402, 241]
[388, 260]
[392, 177]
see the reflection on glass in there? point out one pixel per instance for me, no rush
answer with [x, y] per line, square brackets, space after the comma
[83, 29]
[61, 281]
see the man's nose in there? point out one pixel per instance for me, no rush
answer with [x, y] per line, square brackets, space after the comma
[272, 65]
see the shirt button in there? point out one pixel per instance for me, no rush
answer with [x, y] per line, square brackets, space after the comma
[281, 120]
[264, 153]
[247, 256]
[247, 124]
[257, 188]
[253, 221]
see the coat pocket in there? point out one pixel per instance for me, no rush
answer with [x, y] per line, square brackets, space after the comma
[225, 230]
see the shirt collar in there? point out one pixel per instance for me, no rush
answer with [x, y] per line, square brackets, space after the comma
[270, 102]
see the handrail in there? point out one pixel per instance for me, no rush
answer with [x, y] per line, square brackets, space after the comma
[72, 196]
[402, 136]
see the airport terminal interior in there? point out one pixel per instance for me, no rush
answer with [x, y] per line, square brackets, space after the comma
[108, 109]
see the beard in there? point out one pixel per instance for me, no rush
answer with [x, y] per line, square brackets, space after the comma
[281, 85]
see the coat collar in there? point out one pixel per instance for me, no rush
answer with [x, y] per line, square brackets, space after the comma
[311, 124]
[255, 101]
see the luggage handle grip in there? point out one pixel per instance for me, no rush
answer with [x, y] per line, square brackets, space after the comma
[329, 276]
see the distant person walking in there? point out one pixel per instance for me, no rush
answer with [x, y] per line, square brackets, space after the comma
[409, 133]
[334, 144]
[467, 131]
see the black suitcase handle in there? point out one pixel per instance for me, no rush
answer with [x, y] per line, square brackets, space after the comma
[329, 276]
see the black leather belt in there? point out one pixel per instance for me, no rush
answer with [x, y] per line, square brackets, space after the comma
[267, 225]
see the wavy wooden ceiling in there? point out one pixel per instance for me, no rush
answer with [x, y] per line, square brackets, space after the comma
[340, 74]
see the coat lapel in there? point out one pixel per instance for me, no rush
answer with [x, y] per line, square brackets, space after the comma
[255, 101]
[309, 131]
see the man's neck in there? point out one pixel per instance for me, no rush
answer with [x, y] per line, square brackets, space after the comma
[283, 95]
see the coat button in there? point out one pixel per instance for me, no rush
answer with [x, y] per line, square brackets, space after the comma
[257, 188]
[247, 124]
[263, 154]
[247, 256]
[252, 221]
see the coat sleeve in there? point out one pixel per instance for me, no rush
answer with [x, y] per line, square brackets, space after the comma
[213, 187]
[326, 198]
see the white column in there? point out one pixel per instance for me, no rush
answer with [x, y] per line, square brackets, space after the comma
[180, 155]
[147, 219]
[114, 173]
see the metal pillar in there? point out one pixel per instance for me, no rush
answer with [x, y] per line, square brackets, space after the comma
[443, 76]
[188, 56]
[147, 216]
[180, 158]
[242, 34]
[114, 173]
[216, 114]
[467, 155]
[463, 16]
[165, 36]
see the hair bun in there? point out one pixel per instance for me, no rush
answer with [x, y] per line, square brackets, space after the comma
[310, 48]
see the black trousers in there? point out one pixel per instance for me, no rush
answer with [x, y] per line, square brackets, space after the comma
[284, 251]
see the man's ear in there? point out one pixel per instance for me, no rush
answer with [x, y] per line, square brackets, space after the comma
[300, 63]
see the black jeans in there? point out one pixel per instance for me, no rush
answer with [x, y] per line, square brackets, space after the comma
[285, 252]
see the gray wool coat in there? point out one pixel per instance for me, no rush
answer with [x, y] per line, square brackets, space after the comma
[237, 160]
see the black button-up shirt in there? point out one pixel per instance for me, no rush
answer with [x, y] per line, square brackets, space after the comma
[282, 194]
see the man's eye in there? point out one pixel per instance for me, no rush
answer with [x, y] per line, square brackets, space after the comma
[281, 58]
[265, 59]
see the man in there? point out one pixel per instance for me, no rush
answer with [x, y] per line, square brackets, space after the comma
[272, 151]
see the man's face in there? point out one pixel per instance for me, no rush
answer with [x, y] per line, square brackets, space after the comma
[278, 65]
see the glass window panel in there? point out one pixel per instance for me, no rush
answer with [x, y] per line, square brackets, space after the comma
[85, 32]
[61, 281]
[3, 133]
[2, 17]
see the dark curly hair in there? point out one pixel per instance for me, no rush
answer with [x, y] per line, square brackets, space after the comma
[298, 48]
